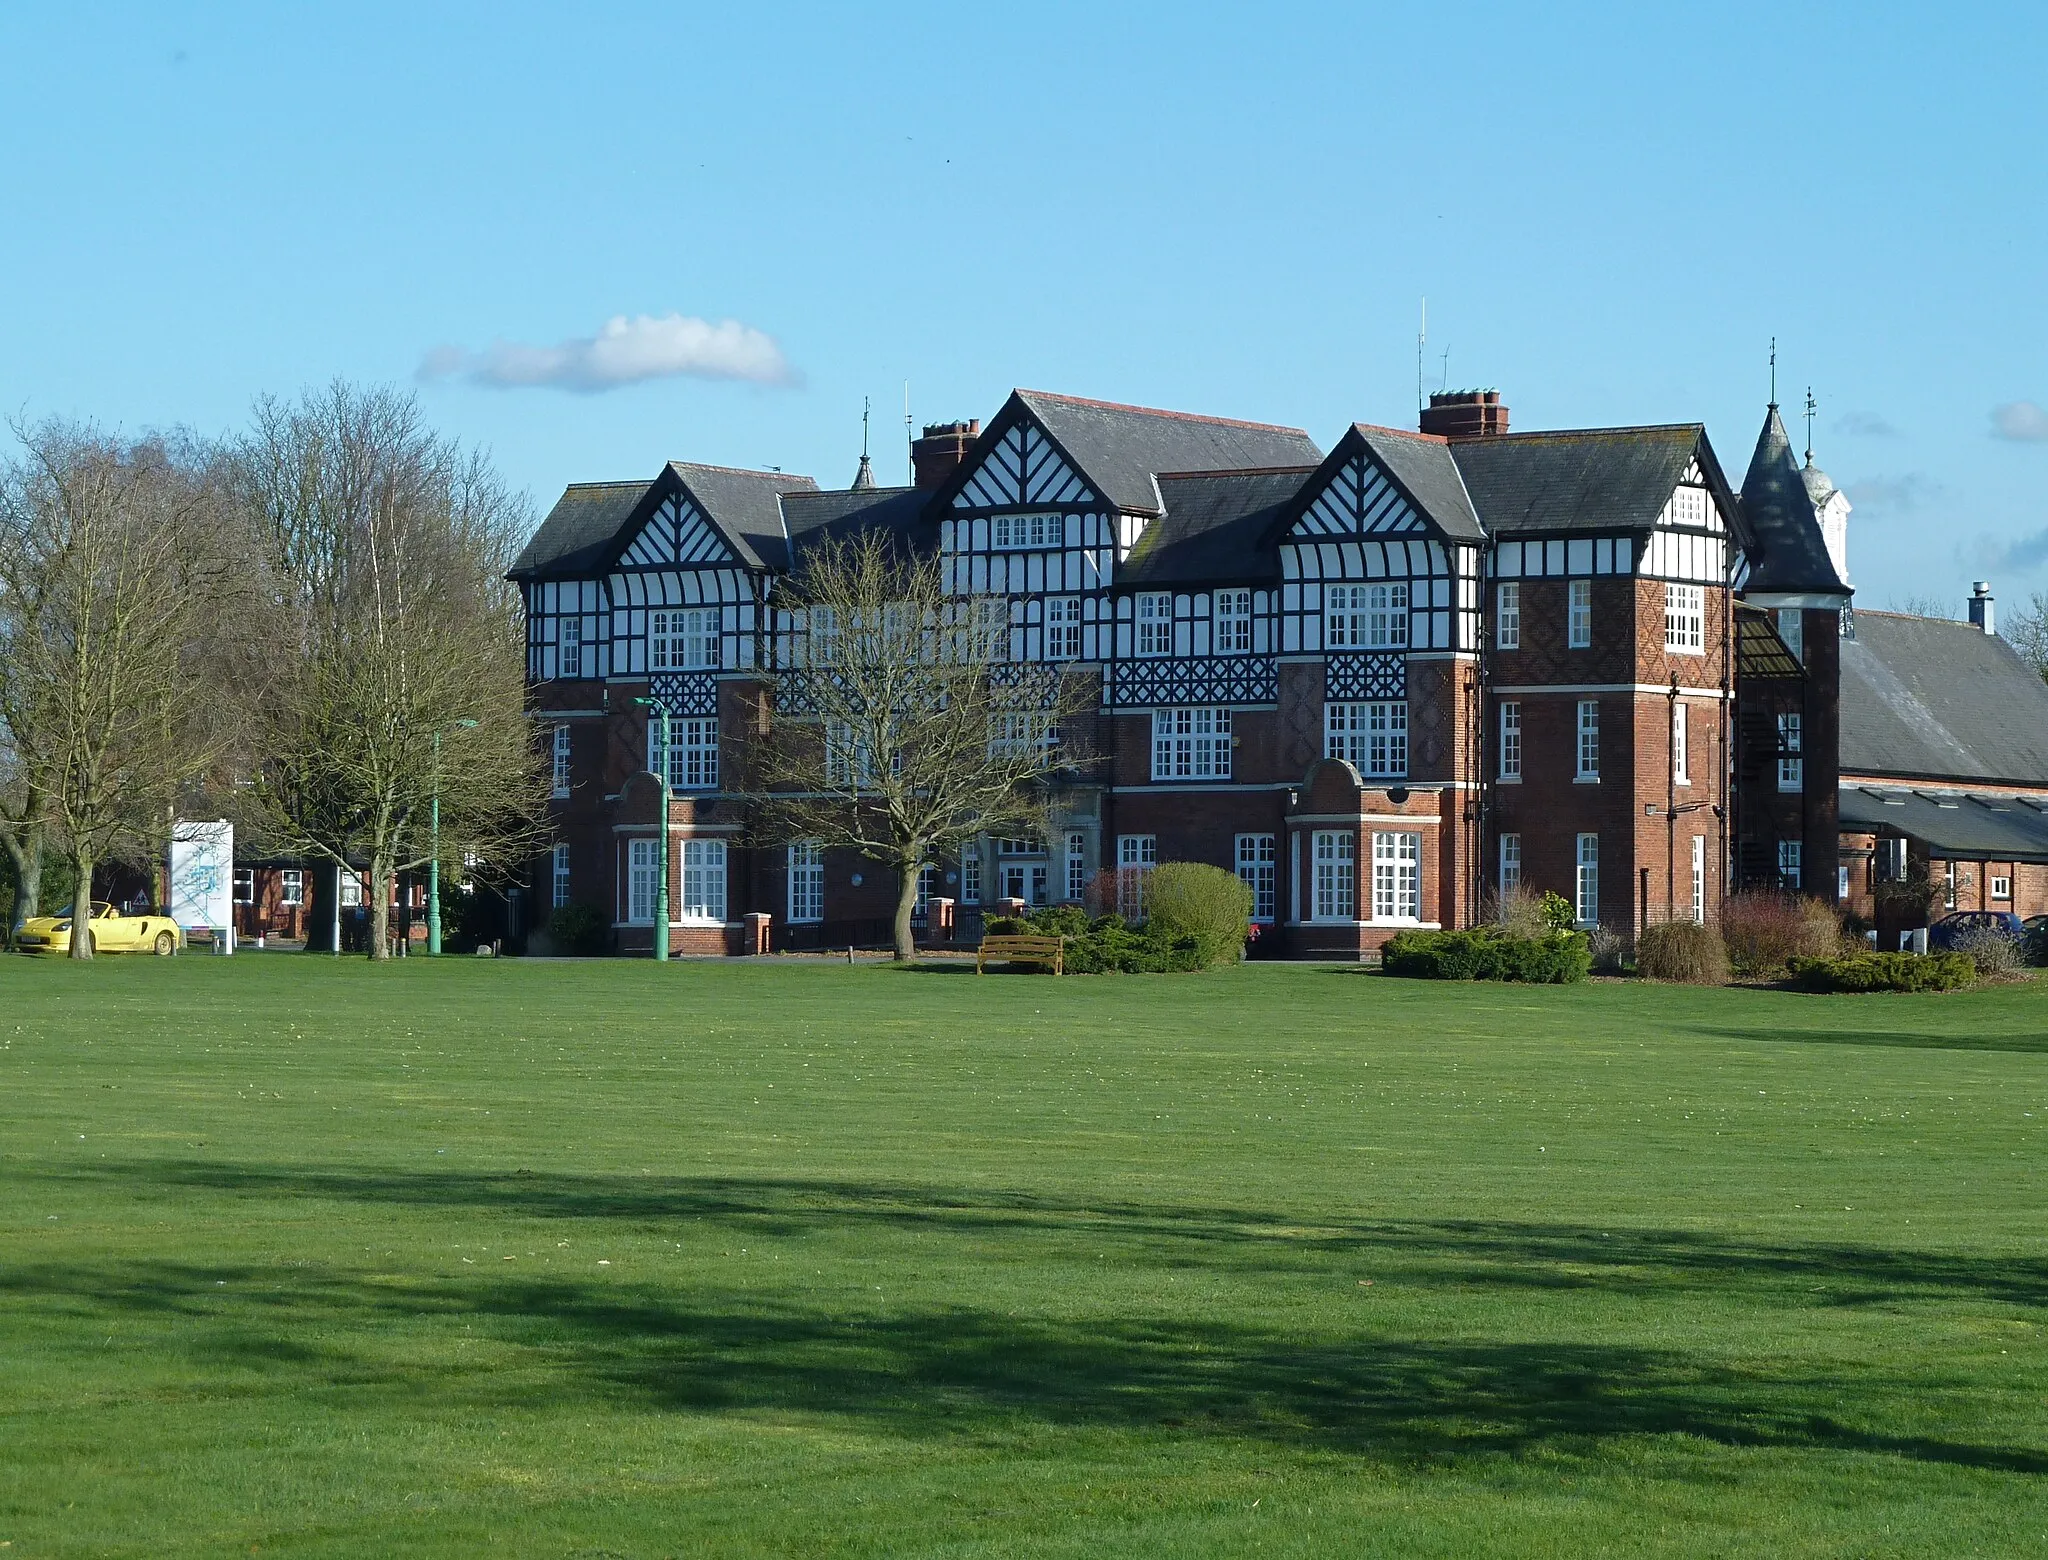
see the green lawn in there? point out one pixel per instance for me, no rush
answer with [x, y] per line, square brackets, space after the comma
[301, 1257]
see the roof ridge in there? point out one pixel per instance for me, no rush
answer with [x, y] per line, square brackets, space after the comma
[1160, 411]
[1574, 433]
[1240, 471]
[1919, 617]
[743, 471]
[607, 482]
[1401, 433]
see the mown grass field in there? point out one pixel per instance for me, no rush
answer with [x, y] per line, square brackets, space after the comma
[310, 1258]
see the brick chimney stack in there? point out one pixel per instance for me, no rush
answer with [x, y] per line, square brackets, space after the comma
[1465, 414]
[944, 446]
[1980, 607]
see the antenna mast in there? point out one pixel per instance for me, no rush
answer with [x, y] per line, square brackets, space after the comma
[909, 462]
[1421, 336]
[864, 429]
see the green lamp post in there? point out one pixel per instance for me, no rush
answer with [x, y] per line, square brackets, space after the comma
[434, 862]
[660, 768]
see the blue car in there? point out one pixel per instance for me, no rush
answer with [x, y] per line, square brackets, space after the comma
[1942, 935]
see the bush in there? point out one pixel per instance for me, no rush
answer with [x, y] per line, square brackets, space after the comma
[1607, 948]
[1765, 931]
[1554, 959]
[579, 929]
[1190, 899]
[1996, 955]
[1860, 972]
[1682, 951]
[1557, 912]
[1519, 913]
[1106, 945]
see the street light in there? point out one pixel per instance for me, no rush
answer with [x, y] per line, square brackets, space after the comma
[434, 863]
[660, 768]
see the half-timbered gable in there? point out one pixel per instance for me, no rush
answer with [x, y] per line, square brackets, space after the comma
[1380, 558]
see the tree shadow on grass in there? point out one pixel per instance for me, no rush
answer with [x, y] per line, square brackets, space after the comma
[1957, 1039]
[1503, 1254]
[941, 1373]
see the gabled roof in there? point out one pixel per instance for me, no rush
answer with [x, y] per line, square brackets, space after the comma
[1583, 479]
[1425, 468]
[1120, 449]
[1932, 699]
[576, 536]
[836, 515]
[1218, 526]
[1789, 557]
[745, 505]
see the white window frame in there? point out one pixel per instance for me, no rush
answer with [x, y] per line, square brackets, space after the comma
[569, 647]
[2001, 887]
[701, 899]
[1685, 619]
[1791, 866]
[1333, 855]
[1258, 860]
[1153, 610]
[351, 890]
[291, 886]
[1366, 617]
[1136, 856]
[243, 885]
[1230, 629]
[1579, 615]
[1507, 615]
[1034, 531]
[1371, 734]
[970, 873]
[692, 757]
[559, 757]
[1681, 744]
[806, 863]
[1699, 879]
[1792, 629]
[1511, 742]
[1586, 881]
[1588, 740]
[1191, 742]
[643, 868]
[1791, 765]
[1077, 865]
[1019, 733]
[1396, 877]
[558, 877]
[1510, 867]
[1063, 628]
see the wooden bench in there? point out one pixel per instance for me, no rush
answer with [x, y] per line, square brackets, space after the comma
[1021, 948]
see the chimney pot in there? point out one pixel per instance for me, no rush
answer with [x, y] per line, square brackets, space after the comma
[1465, 414]
[944, 446]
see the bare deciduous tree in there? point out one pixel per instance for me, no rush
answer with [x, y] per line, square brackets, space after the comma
[117, 575]
[389, 547]
[2026, 630]
[902, 729]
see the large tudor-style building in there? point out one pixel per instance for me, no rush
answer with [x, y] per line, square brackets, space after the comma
[1381, 683]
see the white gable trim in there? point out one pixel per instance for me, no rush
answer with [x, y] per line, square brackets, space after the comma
[1023, 468]
[676, 535]
[1358, 500]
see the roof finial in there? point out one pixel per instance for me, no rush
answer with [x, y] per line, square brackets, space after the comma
[863, 427]
[864, 478]
[1774, 373]
[1810, 404]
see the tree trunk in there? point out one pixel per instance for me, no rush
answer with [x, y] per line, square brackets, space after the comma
[25, 857]
[380, 904]
[906, 902]
[81, 906]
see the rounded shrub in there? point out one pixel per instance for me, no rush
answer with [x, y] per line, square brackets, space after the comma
[1682, 951]
[579, 929]
[1191, 899]
[1763, 931]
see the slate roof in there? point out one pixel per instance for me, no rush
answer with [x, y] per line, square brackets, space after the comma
[577, 532]
[1928, 698]
[815, 517]
[1962, 825]
[1121, 448]
[1218, 526]
[1581, 479]
[1790, 558]
[1425, 468]
[746, 505]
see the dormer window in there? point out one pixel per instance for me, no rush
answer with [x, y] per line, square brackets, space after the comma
[1045, 529]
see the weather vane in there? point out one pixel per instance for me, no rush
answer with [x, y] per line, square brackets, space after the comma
[1774, 371]
[1810, 405]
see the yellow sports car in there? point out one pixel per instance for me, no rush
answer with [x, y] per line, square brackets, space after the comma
[111, 932]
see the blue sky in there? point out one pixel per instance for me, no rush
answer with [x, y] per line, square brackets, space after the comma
[1611, 209]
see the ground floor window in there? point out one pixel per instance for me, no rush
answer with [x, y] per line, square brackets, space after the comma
[1510, 864]
[1136, 856]
[2001, 888]
[1699, 879]
[1397, 877]
[245, 885]
[559, 871]
[927, 880]
[1586, 902]
[970, 873]
[352, 887]
[1788, 865]
[703, 880]
[643, 865]
[1077, 864]
[806, 881]
[291, 886]
[1256, 858]
[1336, 876]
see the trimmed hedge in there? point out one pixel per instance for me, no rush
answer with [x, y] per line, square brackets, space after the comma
[1557, 958]
[1859, 972]
[1106, 945]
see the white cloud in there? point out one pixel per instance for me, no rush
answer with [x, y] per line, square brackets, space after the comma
[1905, 494]
[2023, 421]
[625, 352]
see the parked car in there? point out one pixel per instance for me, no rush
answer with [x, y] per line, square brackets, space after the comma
[110, 930]
[1942, 935]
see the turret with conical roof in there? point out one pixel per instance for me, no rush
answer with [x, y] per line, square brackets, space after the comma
[1791, 511]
